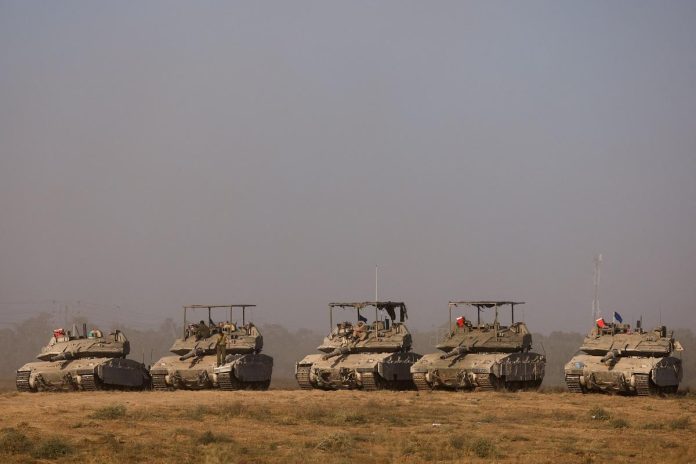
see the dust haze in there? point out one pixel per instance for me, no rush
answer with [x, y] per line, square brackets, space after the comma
[167, 153]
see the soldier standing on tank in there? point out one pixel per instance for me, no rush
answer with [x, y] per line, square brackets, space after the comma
[221, 348]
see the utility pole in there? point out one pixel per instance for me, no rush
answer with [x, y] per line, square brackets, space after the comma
[595, 303]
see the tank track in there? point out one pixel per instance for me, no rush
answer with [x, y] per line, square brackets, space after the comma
[643, 387]
[22, 381]
[158, 383]
[227, 382]
[89, 383]
[420, 382]
[303, 377]
[484, 383]
[369, 382]
[573, 383]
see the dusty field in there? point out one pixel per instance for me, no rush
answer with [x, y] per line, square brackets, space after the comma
[341, 427]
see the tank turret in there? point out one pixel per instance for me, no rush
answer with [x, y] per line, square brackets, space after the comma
[616, 358]
[72, 345]
[482, 355]
[360, 354]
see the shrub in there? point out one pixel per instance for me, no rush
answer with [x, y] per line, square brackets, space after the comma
[652, 426]
[598, 413]
[619, 423]
[483, 448]
[334, 442]
[209, 437]
[112, 412]
[13, 441]
[679, 424]
[52, 448]
[457, 442]
[354, 418]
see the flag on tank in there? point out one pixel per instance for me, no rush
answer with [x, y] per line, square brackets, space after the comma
[600, 322]
[617, 317]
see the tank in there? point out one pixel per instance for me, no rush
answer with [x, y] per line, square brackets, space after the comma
[224, 355]
[615, 359]
[484, 356]
[84, 362]
[362, 355]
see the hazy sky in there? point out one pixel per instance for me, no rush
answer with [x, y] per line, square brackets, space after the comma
[154, 154]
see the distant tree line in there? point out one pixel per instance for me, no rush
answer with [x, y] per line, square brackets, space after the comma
[22, 343]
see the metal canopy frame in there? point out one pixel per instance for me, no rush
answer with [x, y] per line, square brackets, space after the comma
[389, 307]
[211, 307]
[483, 304]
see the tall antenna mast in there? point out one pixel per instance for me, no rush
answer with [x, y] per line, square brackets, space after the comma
[376, 295]
[595, 302]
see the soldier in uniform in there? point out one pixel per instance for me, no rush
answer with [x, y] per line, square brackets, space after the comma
[203, 331]
[221, 348]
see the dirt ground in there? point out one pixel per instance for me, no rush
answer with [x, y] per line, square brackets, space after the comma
[341, 427]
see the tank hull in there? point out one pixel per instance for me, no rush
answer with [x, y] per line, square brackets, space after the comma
[366, 371]
[82, 374]
[632, 375]
[169, 373]
[245, 371]
[480, 371]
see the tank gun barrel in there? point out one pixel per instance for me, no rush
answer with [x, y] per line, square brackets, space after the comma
[337, 352]
[64, 356]
[458, 351]
[196, 352]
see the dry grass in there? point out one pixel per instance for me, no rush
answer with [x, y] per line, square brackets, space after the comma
[342, 427]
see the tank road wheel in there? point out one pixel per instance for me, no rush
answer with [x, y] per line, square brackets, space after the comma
[88, 382]
[159, 383]
[22, 381]
[303, 377]
[420, 382]
[573, 384]
[643, 385]
[370, 382]
[486, 382]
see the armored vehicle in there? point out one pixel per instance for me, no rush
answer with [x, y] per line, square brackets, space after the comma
[614, 358]
[361, 355]
[209, 355]
[83, 361]
[485, 356]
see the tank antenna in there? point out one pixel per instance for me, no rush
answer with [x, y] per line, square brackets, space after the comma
[376, 294]
[595, 302]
